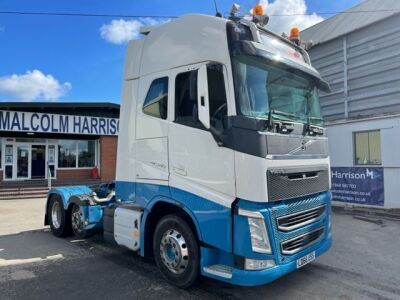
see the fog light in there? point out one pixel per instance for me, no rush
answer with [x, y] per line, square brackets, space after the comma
[258, 264]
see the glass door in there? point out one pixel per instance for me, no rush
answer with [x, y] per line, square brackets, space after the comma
[38, 162]
[23, 161]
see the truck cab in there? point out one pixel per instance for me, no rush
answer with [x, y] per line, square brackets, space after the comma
[222, 166]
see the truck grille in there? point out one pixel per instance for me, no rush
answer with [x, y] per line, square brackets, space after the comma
[300, 242]
[299, 219]
[294, 182]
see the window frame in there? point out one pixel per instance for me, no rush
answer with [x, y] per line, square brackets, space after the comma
[354, 133]
[147, 93]
[231, 109]
[1, 154]
[96, 152]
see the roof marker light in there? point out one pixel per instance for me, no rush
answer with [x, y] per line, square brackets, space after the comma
[295, 35]
[258, 10]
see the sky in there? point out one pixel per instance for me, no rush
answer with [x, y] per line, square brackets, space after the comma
[80, 59]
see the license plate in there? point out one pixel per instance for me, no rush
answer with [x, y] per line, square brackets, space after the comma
[302, 261]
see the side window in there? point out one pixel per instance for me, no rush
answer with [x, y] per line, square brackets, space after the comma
[156, 102]
[216, 94]
[367, 147]
[186, 111]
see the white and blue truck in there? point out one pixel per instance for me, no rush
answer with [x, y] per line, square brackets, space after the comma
[222, 167]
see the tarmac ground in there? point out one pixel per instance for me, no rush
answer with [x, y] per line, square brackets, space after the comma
[363, 263]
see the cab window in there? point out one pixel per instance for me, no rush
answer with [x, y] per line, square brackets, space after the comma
[156, 102]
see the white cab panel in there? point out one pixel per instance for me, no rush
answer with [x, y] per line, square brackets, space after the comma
[151, 138]
[152, 158]
[195, 155]
[126, 142]
[133, 59]
[127, 227]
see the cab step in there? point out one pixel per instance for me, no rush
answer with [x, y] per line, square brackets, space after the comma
[219, 270]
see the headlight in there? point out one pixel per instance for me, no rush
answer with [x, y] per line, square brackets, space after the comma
[258, 232]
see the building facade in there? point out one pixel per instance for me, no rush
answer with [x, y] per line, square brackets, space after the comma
[358, 53]
[61, 141]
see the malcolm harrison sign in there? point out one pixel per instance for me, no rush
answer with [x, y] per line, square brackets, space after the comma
[14, 121]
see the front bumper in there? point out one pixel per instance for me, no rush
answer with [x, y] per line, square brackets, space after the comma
[252, 278]
[285, 263]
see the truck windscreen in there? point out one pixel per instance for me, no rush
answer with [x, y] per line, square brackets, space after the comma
[261, 86]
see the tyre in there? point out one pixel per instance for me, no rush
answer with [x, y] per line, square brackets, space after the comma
[58, 217]
[176, 251]
[77, 225]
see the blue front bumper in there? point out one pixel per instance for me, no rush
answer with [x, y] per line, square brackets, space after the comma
[284, 263]
[251, 278]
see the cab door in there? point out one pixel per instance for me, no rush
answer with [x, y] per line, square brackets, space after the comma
[197, 164]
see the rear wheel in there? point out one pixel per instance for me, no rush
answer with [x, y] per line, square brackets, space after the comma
[176, 251]
[59, 223]
[77, 222]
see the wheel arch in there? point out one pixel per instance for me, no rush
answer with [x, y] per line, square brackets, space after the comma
[157, 210]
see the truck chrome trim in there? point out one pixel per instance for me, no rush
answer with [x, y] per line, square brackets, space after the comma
[300, 242]
[299, 219]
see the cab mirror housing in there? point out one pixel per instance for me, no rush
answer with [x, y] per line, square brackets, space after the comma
[202, 97]
[324, 86]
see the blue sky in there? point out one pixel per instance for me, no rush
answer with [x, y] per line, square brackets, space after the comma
[74, 62]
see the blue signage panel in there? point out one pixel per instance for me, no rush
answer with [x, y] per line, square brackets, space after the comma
[361, 185]
[53, 123]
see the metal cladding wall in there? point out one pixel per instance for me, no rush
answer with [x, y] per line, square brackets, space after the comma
[363, 70]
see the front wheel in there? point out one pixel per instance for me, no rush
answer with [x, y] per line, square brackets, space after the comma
[176, 251]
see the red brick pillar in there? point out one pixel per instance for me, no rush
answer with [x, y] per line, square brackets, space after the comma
[108, 157]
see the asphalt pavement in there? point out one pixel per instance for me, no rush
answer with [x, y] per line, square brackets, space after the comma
[363, 263]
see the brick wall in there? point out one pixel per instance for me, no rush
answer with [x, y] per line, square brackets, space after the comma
[108, 157]
[74, 174]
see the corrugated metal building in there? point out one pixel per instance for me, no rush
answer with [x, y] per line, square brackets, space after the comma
[358, 53]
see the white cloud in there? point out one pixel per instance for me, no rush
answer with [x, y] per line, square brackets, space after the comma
[296, 8]
[121, 31]
[33, 85]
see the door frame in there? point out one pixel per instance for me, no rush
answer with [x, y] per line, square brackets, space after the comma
[15, 162]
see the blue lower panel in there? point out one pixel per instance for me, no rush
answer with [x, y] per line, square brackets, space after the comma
[252, 278]
[212, 220]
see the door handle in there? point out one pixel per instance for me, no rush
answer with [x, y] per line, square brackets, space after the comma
[180, 170]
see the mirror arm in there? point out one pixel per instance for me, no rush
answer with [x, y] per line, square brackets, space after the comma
[218, 136]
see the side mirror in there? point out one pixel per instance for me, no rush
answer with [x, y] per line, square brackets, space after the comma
[202, 97]
[324, 86]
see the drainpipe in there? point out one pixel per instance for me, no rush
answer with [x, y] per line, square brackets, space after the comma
[345, 78]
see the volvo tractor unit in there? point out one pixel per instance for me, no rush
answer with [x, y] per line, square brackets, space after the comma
[222, 167]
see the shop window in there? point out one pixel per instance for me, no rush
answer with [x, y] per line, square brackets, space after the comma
[156, 102]
[1, 157]
[367, 147]
[86, 153]
[67, 154]
[76, 154]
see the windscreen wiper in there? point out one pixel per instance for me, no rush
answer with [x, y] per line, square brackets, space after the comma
[284, 127]
[313, 130]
